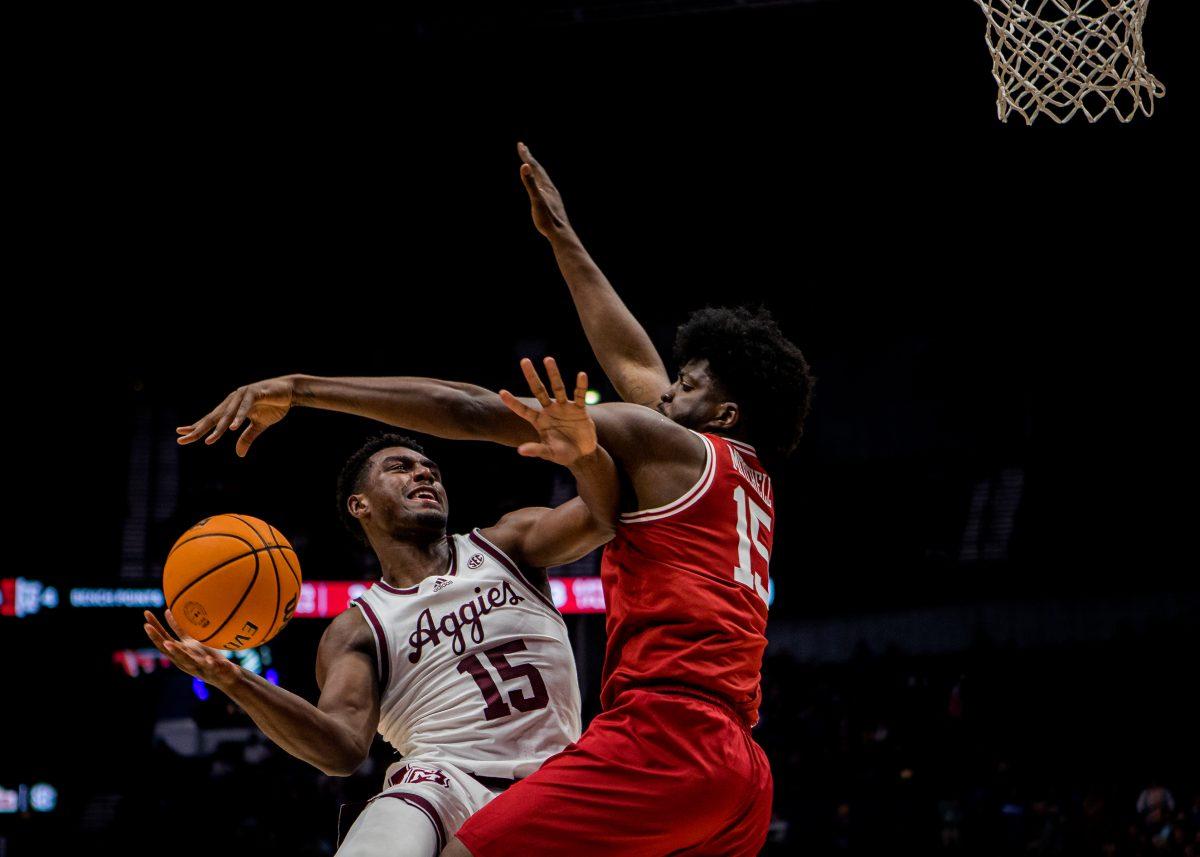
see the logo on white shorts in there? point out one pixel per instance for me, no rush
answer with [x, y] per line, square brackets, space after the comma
[419, 774]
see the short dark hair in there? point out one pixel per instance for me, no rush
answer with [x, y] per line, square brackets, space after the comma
[350, 480]
[757, 367]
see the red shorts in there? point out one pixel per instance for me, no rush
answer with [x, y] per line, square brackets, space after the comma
[659, 773]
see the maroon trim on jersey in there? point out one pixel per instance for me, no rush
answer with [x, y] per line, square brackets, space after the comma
[412, 590]
[503, 558]
[385, 662]
[387, 587]
[418, 802]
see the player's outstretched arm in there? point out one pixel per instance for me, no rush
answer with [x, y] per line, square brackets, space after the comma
[446, 409]
[661, 458]
[620, 343]
[541, 537]
[335, 735]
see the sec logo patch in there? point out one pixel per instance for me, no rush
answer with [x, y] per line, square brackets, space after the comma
[475, 561]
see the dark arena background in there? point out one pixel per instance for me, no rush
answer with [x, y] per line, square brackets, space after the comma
[983, 634]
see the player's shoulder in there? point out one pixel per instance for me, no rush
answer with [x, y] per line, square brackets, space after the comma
[518, 519]
[348, 630]
[629, 430]
[501, 541]
[633, 417]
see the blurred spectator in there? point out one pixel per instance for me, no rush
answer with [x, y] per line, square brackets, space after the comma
[1155, 805]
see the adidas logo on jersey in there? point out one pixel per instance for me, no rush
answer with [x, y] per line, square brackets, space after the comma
[441, 583]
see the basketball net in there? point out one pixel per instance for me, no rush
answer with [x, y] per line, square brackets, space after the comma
[1062, 57]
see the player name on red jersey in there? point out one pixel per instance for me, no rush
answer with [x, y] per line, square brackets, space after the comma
[759, 481]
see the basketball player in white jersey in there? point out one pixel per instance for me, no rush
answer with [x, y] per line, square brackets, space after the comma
[456, 656]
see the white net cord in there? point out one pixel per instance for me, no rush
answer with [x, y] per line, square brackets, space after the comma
[1062, 57]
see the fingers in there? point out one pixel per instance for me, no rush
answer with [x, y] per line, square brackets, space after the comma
[531, 185]
[211, 422]
[556, 381]
[158, 635]
[159, 641]
[533, 174]
[535, 383]
[228, 411]
[179, 632]
[518, 407]
[248, 437]
[243, 408]
[534, 450]
[192, 433]
[581, 389]
[152, 621]
[527, 157]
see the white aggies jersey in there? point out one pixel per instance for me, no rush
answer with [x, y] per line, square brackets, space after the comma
[475, 665]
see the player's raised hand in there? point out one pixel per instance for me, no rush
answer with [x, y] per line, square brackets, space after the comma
[260, 405]
[189, 654]
[549, 215]
[565, 431]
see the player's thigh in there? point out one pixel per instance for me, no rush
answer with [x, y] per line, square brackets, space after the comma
[745, 832]
[585, 803]
[392, 827]
[427, 813]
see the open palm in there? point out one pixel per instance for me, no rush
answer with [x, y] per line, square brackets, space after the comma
[565, 431]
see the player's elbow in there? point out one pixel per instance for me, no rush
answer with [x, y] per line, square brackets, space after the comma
[600, 533]
[606, 530]
[343, 754]
[478, 414]
[342, 765]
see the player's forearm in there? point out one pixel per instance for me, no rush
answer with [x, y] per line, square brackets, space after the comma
[620, 343]
[296, 725]
[596, 480]
[441, 408]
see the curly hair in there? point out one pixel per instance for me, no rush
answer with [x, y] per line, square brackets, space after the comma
[757, 367]
[350, 480]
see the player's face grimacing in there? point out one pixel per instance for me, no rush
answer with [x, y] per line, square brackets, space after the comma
[695, 400]
[404, 491]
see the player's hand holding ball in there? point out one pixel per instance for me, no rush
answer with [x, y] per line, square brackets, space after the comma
[190, 655]
[230, 582]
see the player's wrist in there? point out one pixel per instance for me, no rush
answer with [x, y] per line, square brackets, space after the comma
[299, 388]
[587, 463]
[227, 680]
[562, 237]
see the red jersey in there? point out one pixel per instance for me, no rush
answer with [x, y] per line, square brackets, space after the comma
[686, 586]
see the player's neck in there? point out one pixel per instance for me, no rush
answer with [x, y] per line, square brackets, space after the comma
[407, 563]
[735, 433]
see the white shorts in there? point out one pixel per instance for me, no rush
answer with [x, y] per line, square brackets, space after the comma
[418, 814]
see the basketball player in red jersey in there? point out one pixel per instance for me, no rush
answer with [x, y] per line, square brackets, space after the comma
[669, 766]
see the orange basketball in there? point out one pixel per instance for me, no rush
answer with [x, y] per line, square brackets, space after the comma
[232, 581]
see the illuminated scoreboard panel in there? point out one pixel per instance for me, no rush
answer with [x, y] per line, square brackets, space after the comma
[325, 598]
[319, 599]
[20, 597]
